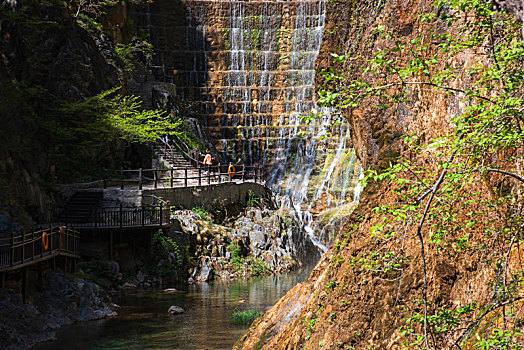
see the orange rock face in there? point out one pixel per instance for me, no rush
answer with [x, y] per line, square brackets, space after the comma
[346, 304]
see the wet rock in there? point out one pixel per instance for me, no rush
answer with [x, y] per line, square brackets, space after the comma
[170, 290]
[114, 270]
[175, 310]
[257, 240]
[63, 301]
[258, 215]
[128, 285]
[206, 273]
[140, 276]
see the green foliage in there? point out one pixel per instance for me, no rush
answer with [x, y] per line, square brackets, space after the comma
[255, 266]
[88, 23]
[436, 180]
[122, 114]
[126, 52]
[95, 127]
[236, 257]
[252, 199]
[499, 339]
[309, 327]
[165, 245]
[202, 213]
[245, 317]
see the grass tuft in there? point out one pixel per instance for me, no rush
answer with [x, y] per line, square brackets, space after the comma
[245, 317]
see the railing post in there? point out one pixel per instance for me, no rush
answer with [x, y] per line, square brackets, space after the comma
[12, 248]
[33, 239]
[199, 176]
[121, 216]
[209, 175]
[23, 247]
[140, 178]
[185, 177]
[50, 238]
[171, 179]
[219, 176]
[121, 178]
[143, 216]
[154, 178]
[243, 171]
[161, 214]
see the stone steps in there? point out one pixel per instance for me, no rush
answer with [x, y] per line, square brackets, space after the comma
[80, 206]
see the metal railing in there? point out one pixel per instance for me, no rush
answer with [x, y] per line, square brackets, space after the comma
[184, 176]
[127, 217]
[29, 248]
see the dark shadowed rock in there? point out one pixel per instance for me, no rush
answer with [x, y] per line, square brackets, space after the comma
[64, 301]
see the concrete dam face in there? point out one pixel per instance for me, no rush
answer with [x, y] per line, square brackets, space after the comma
[246, 71]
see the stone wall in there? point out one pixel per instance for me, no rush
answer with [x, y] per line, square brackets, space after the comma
[245, 69]
[210, 196]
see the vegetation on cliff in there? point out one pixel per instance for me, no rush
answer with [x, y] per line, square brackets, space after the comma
[432, 257]
[441, 203]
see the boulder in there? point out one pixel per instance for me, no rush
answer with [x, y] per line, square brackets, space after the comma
[140, 276]
[206, 272]
[175, 310]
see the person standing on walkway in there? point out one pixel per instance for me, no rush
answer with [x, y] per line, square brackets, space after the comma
[208, 160]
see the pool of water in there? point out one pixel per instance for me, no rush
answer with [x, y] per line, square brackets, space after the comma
[143, 322]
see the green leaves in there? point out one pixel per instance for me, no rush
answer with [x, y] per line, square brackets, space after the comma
[123, 115]
[470, 57]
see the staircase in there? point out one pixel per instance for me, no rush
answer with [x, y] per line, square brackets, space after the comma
[180, 163]
[80, 206]
[172, 160]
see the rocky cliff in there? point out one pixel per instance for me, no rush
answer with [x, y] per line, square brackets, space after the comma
[409, 280]
[52, 58]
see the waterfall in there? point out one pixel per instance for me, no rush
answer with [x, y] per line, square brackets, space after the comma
[248, 70]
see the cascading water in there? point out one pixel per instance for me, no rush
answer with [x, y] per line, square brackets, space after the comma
[248, 68]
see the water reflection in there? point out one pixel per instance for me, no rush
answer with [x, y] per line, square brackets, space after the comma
[143, 322]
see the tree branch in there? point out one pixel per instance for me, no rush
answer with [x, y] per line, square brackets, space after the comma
[421, 239]
[513, 175]
[424, 83]
[476, 322]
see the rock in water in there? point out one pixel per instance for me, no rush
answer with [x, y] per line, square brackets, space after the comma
[128, 285]
[175, 310]
[170, 290]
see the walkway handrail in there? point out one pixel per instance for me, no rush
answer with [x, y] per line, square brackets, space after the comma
[156, 198]
[128, 217]
[181, 177]
[187, 154]
[28, 248]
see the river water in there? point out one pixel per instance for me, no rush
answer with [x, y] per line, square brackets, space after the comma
[143, 322]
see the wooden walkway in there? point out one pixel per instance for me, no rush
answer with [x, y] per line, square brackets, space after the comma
[182, 176]
[21, 250]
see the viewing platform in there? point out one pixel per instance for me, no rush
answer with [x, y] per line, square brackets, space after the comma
[24, 249]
